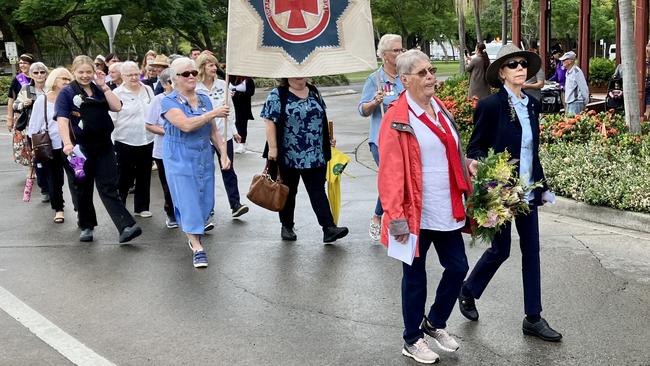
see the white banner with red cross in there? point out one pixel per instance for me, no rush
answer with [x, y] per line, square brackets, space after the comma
[299, 38]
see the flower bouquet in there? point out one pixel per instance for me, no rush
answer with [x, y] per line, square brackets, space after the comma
[499, 195]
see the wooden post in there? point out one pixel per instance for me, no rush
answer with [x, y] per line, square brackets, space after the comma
[584, 15]
[516, 23]
[544, 32]
[641, 34]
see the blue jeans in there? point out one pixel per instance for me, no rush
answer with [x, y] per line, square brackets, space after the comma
[575, 107]
[451, 253]
[374, 149]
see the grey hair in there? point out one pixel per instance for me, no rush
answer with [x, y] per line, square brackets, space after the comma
[126, 65]
[165, 76]
[116, 66]
[180, 64]
[38, 66]
[384, 41]
[406, 60]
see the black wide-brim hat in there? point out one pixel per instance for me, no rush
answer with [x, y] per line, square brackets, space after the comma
[505, 53]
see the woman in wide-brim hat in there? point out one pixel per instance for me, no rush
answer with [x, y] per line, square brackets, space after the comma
[509, 120]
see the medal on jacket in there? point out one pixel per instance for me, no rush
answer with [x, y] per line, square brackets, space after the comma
[389, 89]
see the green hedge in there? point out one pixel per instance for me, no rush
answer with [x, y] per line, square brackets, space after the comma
[600, 71]
[599, 173]
[5, 83]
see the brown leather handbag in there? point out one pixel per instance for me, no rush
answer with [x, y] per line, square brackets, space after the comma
[42, 143]
[266, 192]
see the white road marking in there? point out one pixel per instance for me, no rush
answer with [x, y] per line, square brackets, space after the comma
[47, 331]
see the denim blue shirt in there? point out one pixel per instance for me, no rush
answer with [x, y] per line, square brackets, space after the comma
[368, 94]
[303, 137]
[526, 153]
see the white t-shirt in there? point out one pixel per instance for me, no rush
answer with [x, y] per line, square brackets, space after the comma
[37, 121]
[129, 122]
[154, 118]
[218, 95]
[436, 196]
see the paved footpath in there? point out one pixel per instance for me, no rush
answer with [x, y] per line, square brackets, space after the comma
[266, 302]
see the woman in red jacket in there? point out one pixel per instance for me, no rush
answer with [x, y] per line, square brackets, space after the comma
[423, 178]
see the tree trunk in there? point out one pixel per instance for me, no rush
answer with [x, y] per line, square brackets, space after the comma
[477, 20]
[28, 37]
[504, 23]
[628, 62]
[206, 37]
[460, 9]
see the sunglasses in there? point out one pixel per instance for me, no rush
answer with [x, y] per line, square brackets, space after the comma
[39, 72]
[186, 74]
[398, 50]
[514, 64]
[423, 73]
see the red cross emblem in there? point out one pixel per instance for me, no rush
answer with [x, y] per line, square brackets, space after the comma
[296, 7]
[297, 30]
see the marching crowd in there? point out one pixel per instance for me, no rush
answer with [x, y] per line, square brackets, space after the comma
[178, 112]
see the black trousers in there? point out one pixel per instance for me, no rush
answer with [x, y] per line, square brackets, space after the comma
[493, 257]
[314, 181]
[53, 171]
[242, 128]
[101, 170]
[169, 204]
[451, 253]
[230, 177]
[134, 164]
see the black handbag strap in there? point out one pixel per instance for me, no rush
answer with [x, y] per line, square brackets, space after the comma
[45, 113]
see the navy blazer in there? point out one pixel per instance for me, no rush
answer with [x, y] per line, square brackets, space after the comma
[494, 129]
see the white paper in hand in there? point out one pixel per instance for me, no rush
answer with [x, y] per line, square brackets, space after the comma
[404, 252]
[76, 151]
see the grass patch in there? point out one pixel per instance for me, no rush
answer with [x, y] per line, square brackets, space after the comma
[444, 69]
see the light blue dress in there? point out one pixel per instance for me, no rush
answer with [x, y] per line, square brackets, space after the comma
[189, 165]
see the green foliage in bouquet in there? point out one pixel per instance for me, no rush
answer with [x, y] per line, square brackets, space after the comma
[499, 195]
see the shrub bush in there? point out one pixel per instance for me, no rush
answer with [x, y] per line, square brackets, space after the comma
[601, 174]
[5, 83]
[600, 71]
[453, 94]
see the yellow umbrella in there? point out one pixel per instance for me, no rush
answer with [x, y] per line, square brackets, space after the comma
[335, 168]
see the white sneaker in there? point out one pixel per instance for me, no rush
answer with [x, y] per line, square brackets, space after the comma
[420, 351]
[444, 341]
[240, 148]
[144, 214]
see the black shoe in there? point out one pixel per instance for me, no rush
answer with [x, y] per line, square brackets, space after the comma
[129, 233]
[332, 233]
[86, 235]
[239, 210]
[287, 233]
[467, 307]
[45, 197]
[541, 330]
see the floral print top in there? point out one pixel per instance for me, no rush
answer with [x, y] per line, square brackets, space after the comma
[302, 143]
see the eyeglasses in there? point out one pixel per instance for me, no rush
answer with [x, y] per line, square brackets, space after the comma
[39, 72]
[186, 74]
[423, 73]
[514, 64]
[398, 50]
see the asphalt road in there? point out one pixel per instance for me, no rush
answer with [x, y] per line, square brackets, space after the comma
[267, 302]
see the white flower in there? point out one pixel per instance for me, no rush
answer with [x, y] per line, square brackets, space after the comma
[77, 100]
